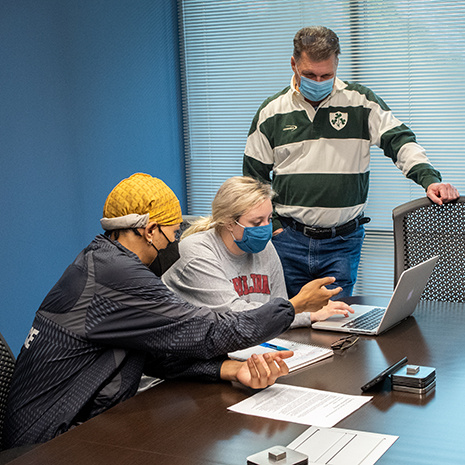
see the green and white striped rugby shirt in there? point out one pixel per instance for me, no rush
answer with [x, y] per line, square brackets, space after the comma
[320, 159]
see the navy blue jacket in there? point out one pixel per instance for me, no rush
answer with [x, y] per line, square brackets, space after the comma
[97, 327]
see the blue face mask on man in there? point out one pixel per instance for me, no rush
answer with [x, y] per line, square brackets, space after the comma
[255, 238]
[315, 91]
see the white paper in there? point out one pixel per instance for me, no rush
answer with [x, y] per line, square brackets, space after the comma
[300, 405]
[342, 446]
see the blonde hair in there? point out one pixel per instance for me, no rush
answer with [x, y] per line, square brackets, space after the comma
[236, 196]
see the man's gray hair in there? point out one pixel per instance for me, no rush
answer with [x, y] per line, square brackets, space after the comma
[318, 42]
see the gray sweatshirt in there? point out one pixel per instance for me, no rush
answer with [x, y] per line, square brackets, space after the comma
[208, 274]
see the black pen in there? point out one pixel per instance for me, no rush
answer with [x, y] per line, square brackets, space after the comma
[384, 374]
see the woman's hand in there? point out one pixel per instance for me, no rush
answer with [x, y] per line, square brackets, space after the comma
[257, 372]
[333, 308]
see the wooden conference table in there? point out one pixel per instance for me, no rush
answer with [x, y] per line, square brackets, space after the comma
[187, 423]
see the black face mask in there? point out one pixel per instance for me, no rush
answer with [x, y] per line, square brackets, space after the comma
[166, 257]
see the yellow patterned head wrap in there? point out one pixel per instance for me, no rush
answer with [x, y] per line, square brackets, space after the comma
[139, 199]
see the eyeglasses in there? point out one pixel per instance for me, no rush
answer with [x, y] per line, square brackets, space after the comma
[345, 342]
[177, 234]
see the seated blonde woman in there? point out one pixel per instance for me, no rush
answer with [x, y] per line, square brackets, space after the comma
[228, 261]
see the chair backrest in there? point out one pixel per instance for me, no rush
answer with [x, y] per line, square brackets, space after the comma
[7, 366]
[423, 229]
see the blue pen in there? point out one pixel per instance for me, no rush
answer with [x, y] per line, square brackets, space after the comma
[272, 346]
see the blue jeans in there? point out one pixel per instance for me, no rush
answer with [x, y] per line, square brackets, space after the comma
[304, 259]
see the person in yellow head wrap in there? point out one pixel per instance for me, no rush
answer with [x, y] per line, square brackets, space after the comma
[138, 201]
[109, 318]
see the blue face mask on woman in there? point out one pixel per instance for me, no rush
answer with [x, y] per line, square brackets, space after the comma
[255, 238]
[315, 91]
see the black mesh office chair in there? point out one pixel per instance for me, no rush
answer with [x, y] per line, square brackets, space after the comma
[7, 366]
[423, 229]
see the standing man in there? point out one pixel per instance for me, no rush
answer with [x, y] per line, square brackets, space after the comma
[315, 136]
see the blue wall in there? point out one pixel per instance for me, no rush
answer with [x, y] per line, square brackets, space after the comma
[89, 94]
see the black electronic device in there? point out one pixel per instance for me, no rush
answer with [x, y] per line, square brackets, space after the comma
[415, 379]
[384, 374]
[412, 390]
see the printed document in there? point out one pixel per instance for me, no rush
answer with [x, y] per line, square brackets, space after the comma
[300, 405]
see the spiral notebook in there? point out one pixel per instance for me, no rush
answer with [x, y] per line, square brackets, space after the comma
[304, 354]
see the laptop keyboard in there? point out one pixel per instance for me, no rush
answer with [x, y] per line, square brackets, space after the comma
[367, 321]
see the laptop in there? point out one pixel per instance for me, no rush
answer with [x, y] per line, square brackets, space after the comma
[371, 320]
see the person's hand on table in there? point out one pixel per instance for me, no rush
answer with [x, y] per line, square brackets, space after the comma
[333, 308]
[314, 295]
[440, 192]
[257, 372]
